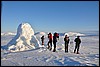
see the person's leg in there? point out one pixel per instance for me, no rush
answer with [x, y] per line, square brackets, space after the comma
[75, 48]
[54, 46]
[50, 45]
[67, 47]
[42, 42]
[78, 48]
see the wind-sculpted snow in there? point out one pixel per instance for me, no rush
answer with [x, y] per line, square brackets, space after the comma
[24, 39]
[39, 55]
[89, 54]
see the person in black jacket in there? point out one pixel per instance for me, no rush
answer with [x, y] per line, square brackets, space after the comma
[56, 35]
[66, 39]
[42, 39]
[78, 41]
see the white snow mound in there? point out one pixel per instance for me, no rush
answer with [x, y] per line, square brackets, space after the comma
[24, 39]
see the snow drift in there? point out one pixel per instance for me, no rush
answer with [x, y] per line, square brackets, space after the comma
[24, 39]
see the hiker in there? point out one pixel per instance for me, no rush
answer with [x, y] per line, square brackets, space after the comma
[56, 35]
[42, 39]
[78, 41]
[50, 41]
[66, 39]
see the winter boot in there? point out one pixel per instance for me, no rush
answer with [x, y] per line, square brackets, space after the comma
[50, 49]
[77, 53]
[54, 50]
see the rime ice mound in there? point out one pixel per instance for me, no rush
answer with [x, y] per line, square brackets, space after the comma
[24, 39]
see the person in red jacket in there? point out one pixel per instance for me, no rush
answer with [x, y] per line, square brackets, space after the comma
[50, 41]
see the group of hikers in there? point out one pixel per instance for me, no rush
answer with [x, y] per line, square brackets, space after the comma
[54, 39]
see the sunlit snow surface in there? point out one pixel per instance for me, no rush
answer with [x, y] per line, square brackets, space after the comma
[89, 53]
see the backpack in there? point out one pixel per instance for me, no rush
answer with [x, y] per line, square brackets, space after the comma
[57, 35]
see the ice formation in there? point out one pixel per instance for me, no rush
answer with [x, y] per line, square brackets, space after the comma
[24, 39]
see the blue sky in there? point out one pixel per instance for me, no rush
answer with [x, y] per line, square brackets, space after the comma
[51, 16]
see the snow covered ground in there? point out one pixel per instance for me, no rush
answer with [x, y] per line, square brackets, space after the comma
[89, 53]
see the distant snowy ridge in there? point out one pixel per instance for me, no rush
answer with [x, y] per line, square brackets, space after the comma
[24, 39]
[40, 33]
[8, 33]
[63, 34]
[74, 34]
[43, 33]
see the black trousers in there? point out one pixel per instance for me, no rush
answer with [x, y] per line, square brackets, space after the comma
[77, 47]
[54, 46]
[66, 47]
[50, 45]
[42, 42]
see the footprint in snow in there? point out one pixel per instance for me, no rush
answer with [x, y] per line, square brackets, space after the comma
[62, 60]
[6, 58]
[3, 58]
[40, 51]
[89, 64]
[97, 56]
[27, 57]
[49, 59]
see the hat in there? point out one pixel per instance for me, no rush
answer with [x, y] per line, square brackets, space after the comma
[78, 36]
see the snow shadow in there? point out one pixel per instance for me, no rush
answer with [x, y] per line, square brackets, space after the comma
[68, 62]
[27, 50]
[4, 47]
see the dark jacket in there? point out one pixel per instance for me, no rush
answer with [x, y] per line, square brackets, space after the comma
[42, 38]
[56, 35]
[77, 40]
[66, 39]
[54, 39]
